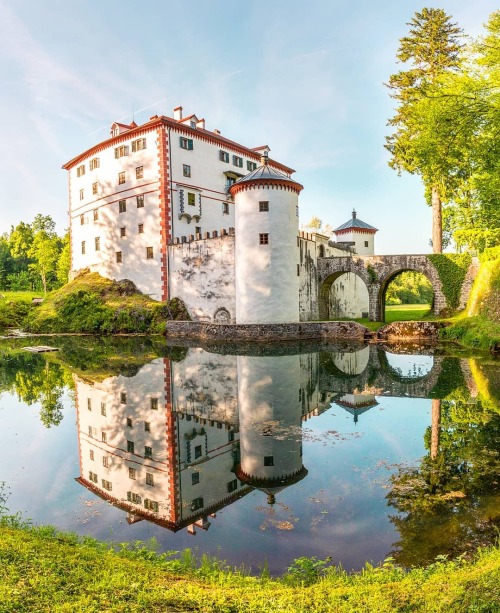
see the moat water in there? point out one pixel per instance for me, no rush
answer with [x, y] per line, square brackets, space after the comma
[257, 456]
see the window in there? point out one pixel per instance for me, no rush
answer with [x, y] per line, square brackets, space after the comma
[237, 161]
[154, 404]
[121, 178]
[264, 207]
[149, 253]
[132, 473]
[196, 504]
[130, 446]
[104, 438]
[95, 214]
[92, 477]
[264, 239]
[81, 194]
[140, 228]
[107, 485]
[191, 199]
[139, 172]
[195, 478]
[197, 452]
[148, 452]
[97, 243]
[103, 408]
[251, 165]
[94, 163]
[268, 460]
[147, 426]
[105, 461]
[80, 171]
[138, 144]
[83, 247]
[121, 151]
[151, 505]
[123, 397]
[225, 208]
[140, 201]
[135, 498]
[150, 480]
[94, 188]
[90, 431]
[122, 206]
[119, 257]
[186, 143]
[298, 270]
[197, 229]
[297, 210]
[82, 219]
[123, 232]
[366, 243]
[224, 156]
[92, 454]
[186, 170]
[192, 123]
[129, 422]
[232, 485]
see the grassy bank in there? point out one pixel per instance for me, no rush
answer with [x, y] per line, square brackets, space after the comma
[91, 304]
[43, 570]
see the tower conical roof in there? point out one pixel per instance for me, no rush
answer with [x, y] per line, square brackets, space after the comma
[355, 223]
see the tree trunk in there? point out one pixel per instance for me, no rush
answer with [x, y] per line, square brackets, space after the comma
[435, 428]
[437, 222]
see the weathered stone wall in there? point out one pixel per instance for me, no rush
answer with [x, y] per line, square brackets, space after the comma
[308, 278]
[202, 274]
[411, 330]
[266, 332]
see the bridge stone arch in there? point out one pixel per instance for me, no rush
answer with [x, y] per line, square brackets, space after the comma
[325, 287]
[376, 271]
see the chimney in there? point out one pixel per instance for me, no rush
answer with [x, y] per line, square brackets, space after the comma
[178, 113]
[354, 213]
[264, 160]
[216, 131]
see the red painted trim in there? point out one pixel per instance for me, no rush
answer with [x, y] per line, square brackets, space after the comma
[164, 204]
[154, 123]
[267, 184]
[171, 443]
[353, 230]
[152, 191]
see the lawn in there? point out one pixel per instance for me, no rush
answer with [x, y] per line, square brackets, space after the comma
[16, 296]
[406, 312]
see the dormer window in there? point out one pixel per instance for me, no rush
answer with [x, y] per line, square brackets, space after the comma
[192, 123]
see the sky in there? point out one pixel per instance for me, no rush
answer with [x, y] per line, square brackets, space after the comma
[305, 78]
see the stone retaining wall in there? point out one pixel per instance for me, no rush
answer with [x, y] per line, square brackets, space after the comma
[411, 330]
[263, 333]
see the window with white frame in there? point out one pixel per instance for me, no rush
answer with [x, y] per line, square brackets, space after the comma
[237, 161]
[224, 156]
[251, 165]
[138, 144]
[94, 163]
[121, 151]
[186, 170]
[121, 178]
[186, 143]
[139, 172]
[80, 171]
[140, 201]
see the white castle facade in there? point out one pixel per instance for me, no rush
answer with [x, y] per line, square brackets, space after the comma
[185, 212]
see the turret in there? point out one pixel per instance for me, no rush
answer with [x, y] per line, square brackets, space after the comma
[266, 254]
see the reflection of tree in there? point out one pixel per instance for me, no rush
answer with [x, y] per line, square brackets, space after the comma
[34, 379]
[449, 504]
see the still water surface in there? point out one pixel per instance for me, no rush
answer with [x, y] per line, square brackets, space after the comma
[355, 453]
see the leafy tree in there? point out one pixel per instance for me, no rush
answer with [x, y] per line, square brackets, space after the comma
[45, 249]
[410, 287]
[64, 262]
[426, 141]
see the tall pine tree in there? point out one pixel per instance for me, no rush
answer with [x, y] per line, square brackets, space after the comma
[425, 139]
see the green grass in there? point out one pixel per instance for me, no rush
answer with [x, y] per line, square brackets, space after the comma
[14, 307]
[407, 312]
[43, 570]
[17, 296]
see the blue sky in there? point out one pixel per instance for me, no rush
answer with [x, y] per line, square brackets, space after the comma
[306, 78]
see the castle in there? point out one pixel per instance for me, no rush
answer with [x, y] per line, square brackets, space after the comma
[185, 212]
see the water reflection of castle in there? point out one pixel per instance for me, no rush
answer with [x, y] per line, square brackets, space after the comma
[180, 440]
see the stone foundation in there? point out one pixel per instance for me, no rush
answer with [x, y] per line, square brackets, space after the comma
[264, 333]
[411, 330]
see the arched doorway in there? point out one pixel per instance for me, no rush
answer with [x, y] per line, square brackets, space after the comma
[406, 295]
[343, 295]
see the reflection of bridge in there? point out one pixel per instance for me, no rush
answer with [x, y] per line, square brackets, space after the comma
[376, 375]
[377, 271]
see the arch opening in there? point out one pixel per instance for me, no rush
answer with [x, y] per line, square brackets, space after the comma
[343, 295]
[406, 295]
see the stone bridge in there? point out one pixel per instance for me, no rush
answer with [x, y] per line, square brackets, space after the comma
[373, 374]
[377, 271]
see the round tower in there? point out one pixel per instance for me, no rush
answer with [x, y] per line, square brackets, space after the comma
[266, 254]
[270, 417]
